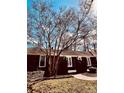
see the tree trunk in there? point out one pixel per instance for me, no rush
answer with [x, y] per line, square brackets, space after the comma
[94, 45]
[50, 72]
[75, 46]
[53, 64]
[56, 67]
[84, 45]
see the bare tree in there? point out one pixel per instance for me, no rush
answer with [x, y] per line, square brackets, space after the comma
[56, 31]
[89, 23]
[90, 37]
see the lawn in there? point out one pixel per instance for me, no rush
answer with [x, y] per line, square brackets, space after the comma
[65, 85]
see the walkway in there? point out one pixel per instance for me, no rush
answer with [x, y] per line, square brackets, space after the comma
[86, 76]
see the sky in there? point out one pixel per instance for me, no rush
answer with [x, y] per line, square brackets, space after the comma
[66, 3]
[59, 3]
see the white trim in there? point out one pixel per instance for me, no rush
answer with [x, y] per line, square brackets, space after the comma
[44, 61]
[79, 58]
[72, 71]
[70, 64]
[89, 62]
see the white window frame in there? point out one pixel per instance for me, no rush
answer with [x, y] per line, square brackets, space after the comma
[79, 58]
[69, 62]
[89, 62]
[72, 71]
[44, 62]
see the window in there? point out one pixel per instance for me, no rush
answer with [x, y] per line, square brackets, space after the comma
[88, 62]
[84, 59]
[42, 61]
[70, 62]
[93, 61]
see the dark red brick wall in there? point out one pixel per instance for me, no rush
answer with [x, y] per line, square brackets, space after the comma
[93, 61]
[80, 66]
[32, 62]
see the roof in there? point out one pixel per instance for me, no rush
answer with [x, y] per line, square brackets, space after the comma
[37, 51]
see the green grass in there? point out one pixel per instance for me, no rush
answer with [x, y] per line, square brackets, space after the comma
[66, 85]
